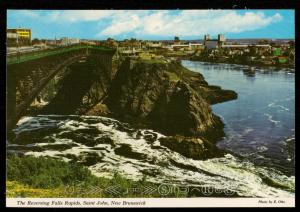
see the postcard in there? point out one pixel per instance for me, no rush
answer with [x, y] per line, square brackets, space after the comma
[150, 108]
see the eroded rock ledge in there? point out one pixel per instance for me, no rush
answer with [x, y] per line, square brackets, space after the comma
[167, 97]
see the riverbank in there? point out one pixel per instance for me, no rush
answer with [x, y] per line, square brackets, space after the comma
[253, 64]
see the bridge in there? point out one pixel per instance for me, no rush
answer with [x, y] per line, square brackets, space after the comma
[28, 73]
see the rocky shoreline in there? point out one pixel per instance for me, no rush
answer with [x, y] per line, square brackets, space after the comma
[159, 95]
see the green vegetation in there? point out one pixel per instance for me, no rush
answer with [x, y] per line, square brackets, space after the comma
[17, 189]
[45, 172]
[279, 57]
[175, 54]
[173, 76]
[28, 176]
[152, 61]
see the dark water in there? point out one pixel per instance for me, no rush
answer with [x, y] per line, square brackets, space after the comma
[260, 124]
[107, 146]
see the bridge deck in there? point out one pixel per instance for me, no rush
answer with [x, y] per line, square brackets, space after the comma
[19, 58]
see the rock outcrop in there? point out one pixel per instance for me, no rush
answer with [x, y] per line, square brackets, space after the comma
[166, 97]
[194, 148]
[156, 94]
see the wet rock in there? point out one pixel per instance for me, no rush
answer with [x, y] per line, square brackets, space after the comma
[104, 140]
[217, 95]
[59, 147]
[194, 148]
[21, 148]
[89, 158]
[126, 151]
[34, 136]
[151, 172]
[98, 110]
[188, 114]
[72, 157]
[89, 131]
[150, 136]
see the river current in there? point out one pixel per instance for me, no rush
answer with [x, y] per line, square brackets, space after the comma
[259, 127]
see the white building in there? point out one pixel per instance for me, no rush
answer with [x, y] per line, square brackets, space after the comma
[189, 46]
[68, 41]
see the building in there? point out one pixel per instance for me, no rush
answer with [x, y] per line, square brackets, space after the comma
[206, 37]
[186, 47]
[235, 46]
[68, 41]
[221, 38]
[214, 43]
[18, 37]
[211, 44]
[51, 42]
[153, 44]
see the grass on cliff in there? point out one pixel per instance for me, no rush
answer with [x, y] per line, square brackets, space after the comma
[28, 176]
[153, 61]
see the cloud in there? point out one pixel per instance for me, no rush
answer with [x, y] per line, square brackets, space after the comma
[79, 15]
[64, 16]
[190, 23]
[164, 23]
[123, 21]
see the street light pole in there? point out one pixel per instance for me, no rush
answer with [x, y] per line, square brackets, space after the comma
[18, 48]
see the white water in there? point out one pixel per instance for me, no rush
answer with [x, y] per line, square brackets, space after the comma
[68, 137]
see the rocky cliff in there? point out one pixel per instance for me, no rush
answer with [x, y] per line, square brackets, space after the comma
[157, 94]
[167, 97]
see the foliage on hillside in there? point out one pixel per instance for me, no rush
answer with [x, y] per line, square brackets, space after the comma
[28, 176]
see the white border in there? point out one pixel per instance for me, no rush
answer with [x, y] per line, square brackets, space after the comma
[148, 202]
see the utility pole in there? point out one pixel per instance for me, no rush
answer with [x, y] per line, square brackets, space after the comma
[18, 48]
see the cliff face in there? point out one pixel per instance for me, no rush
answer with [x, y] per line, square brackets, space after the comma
[155, 94]
[166, 97]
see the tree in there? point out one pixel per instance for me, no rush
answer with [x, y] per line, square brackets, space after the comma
[263, 41]
[35, 41]
[176, 38]
[292, 43]
[252, 51]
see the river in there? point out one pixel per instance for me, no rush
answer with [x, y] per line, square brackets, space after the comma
[260, 124]
[259, 127]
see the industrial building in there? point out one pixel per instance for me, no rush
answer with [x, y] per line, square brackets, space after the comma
[214, 43]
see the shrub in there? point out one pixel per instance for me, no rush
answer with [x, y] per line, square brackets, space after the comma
[43, 172]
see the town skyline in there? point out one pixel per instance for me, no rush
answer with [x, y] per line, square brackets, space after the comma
[154, 24]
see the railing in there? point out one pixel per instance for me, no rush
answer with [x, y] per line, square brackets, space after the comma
[19, 58]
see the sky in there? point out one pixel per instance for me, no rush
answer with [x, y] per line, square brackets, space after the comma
[154, 24]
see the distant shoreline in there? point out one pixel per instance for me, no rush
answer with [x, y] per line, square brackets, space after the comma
[272, 67]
